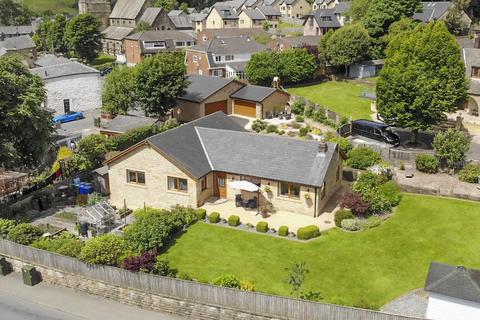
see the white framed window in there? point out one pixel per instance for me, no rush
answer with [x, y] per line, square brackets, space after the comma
[218, 58]
[177, 184]
[229, 57]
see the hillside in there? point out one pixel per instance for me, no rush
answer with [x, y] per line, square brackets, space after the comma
[56, 6]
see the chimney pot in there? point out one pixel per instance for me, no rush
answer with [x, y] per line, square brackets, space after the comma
[322, 147]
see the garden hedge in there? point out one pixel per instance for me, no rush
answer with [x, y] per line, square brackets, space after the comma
[363, 158]
[427, 163]
[470, 173]
[283, 231]
[234, 220]
[308, 232]
[342, 215]
[214, 217]
[200, 213]
[262, 226]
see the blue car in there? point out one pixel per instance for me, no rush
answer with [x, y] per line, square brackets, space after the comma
[71, 116]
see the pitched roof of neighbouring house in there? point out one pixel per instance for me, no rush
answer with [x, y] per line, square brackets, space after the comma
[198, 16]
[17, 43]
[183, 144]
[151, 14]
[326, 18]
[254, 14]
[180, 19]
[432, 11]
[20, 30]
[123, 123]
[269, 10]
[231, 45]
[454, 281]
[50, 60]
[116, 33]
[225, 11]
[157, 35]
[202, 87]
[62, 70]
[127, 9]
[254, 93]
[342, 7]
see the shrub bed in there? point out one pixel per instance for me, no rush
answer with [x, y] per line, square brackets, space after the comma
[214, 217]
[234, 220]
[362, 158]
[283, 231]
[262, 226]
[470, 173]
[342, 215]
[308, 232]
[427, 163]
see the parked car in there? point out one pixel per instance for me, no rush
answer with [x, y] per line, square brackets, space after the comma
[375, 130]
[71, 116]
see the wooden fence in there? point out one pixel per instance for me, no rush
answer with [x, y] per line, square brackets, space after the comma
[244, 301]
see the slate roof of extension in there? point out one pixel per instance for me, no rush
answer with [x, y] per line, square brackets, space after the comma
[217, 143]
[50, 60]
[254, 93]
[202, 87]
[127, 9]
[452, 281]
[180, 19]
[150, 14]
[254, 14]
[269, 10]
[61, 70]
[123, 123]
[432, 11]
[17, 43]
[116, 33]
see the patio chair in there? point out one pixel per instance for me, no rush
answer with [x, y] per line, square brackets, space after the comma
[238, 200]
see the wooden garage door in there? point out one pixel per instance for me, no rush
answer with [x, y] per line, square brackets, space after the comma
[245, 108]
[216, 106]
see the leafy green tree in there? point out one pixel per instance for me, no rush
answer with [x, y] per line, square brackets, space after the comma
[423, 77]
[24, 233]
[83, 37]
[455, 24]
[142, 26]
[107, 249]
[160, 79]
[14, 13]
[25, 126]
[168, 5]
[262, 68]
[382, 13]
[50, 35]
[347, 46]
[358, 9]
[297, 65]
[296, 276]
[91, 151]
[118, 91]
[451, 147]
[184, 7]
[152, 227]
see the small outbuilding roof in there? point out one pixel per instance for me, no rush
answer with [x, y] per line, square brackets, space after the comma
[116, 33]
[454, 281]
[17, 43]
[202, 87]
[50, 60]
[63, 70]
[255, 93]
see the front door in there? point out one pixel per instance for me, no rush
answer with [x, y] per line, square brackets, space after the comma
[221, 185]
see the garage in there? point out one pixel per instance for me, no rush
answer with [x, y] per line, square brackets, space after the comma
[216, 106]
[245, 108]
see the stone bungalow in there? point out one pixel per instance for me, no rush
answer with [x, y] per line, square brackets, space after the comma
[205, 158]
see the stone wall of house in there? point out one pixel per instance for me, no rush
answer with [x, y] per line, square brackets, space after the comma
[84, 92]
[182, 308]
[99, 8]
[154, 193]
[275, 102]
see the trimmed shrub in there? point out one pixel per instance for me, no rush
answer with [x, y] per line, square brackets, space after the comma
[200, 213]
[304, 131]
[283, 231]
[227, 281]
[470, 173]
[299, 118]
[262, 226]
[106, 249]
[342, 215]
[391, 192]
[258, 125]
[298, 107]
[247, 285]
[66, 244]
[234, 220]
[162, 267]
[271, 128]
[352, 225]
[5, 227]
[214, 217]
[308, 232]
[362, 158]
[427, 163]
[24, 233]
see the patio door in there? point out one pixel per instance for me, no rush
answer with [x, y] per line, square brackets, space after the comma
[221, 185]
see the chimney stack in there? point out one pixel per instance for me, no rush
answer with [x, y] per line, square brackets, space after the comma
[322, 147]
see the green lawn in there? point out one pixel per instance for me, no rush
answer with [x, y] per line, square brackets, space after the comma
[56, 6]
[341, 97]
[365, 269]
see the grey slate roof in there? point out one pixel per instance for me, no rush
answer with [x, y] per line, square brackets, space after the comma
[453, 281]
[123, 123]
[471, 57]
[16, 30]
[269, 10]
[254, 14]
[225, 11]
[465, 41]
[217, 143]
[183, 144]
[343, 7]
[231, 45]
[326, 18]
[254, 93]
[269, 157]
[180, 19]
[249, 3]
[63, 70]
[202, 87]
[157, 35]
[116, 33]
[198, 16]
[17, 43]
[50, 60]
[432, 11]
[150, 14]
[127, 9]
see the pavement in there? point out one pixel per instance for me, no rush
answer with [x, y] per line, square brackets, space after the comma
[48, 302]
[84, 126]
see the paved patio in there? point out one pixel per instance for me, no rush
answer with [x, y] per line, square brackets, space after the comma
[226, 208]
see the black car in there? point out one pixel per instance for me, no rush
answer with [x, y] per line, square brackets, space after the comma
[375, 130]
